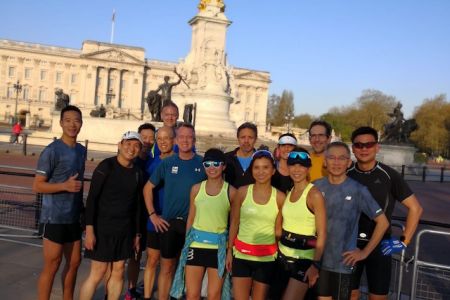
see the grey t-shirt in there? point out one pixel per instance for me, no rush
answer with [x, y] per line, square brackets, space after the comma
[58, 162]
[344, 204]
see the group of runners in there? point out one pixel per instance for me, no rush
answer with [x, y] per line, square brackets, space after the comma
[287, 224]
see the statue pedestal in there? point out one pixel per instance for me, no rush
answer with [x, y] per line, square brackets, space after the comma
[396, 155]
[212, 112]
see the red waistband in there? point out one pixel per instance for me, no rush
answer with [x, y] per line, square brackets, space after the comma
[255, 250]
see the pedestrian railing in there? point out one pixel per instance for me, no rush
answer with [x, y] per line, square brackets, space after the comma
[430, 280]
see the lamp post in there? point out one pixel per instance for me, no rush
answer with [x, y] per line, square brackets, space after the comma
[18, 87]
[289, 117]
[109, 95]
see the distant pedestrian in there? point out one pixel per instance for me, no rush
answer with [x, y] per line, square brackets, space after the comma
[16, 131]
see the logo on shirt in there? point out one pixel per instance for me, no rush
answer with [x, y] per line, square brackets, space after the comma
[197, 170]
[174, 170]
[348, 198]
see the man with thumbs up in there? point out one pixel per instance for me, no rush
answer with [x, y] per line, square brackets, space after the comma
[59, 178]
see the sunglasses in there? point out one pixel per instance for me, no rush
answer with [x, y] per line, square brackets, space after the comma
[298, 155]
[215, 164]
[262, 153]
[367, 145]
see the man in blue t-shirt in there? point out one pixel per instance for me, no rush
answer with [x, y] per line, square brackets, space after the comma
[59, 177]
[178, 173]
[345, 200]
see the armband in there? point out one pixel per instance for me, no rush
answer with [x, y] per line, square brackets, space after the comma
[316, 264]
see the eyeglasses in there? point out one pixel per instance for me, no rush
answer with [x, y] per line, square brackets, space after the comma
[262, 153]
[300, 155]
[210, 163]
[318, 136]
[367, 145]
[339, 158]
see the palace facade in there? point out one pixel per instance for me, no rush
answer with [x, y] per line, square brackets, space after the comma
[117, 76]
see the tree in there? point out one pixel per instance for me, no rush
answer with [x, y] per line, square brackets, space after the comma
[272, 107]
[370, 109]
[373, 107]
[285, 106]
[303, 120]
[433, 134]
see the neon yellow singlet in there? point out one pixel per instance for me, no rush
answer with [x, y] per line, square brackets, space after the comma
[257, 224]
[297, 218]
[211, 213]
[317, 169]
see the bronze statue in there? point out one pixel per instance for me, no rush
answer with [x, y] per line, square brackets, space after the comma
[187, 114]
[399, 130]
[154, 104]
[62, 100]
[166, 87]
[99, 112]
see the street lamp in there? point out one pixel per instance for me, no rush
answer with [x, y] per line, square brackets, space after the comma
[18, 87]
[109, 95]
[289, 117]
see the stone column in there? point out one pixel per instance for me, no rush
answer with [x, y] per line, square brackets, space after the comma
[97, 75]
[108, 72]
[35, 78]
[119, 94]
[116, 87]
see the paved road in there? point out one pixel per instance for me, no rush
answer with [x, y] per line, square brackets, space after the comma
[21, 263]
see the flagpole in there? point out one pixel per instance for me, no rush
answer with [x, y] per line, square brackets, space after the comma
[112, 26]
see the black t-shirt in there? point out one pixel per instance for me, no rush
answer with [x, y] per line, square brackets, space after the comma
[281, 182]
[114, 201]
[387, 187]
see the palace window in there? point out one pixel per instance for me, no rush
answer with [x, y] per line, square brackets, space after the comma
[27, 73]
[10, 92]
[42, 95]
[11, 71]
[58, 77]
[43, 74]
[26, 92]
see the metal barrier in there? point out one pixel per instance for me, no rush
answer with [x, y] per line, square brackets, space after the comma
[439, 274]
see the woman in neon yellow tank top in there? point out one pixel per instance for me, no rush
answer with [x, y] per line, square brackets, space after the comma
[304, 229]
[255, 226]
[207, 235]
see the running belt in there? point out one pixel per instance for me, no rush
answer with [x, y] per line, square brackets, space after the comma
[255, 250]
[297, 241]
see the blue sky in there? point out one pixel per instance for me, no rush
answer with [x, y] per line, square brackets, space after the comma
[326, 52]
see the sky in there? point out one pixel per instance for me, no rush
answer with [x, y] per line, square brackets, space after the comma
[325, 51]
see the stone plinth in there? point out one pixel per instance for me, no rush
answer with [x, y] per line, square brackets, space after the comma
[101, 130]
[396, 155]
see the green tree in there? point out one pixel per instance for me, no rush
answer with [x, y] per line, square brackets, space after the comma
[303, 120]
[272, 107]
[433, 134]
[373, 107]
[285, 106]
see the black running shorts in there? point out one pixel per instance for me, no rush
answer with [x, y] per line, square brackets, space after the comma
[172, 240]
[202, 257]
[258, 270]
[335, 285]
[61, 233]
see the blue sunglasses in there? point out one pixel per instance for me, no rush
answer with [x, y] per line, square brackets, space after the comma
[299, 155]
[210, 163]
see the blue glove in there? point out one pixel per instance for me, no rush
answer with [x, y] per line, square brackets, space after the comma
[392, 246]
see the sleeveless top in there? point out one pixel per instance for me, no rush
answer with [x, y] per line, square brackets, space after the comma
[257, 224]
[211, 213]
[297, 218]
